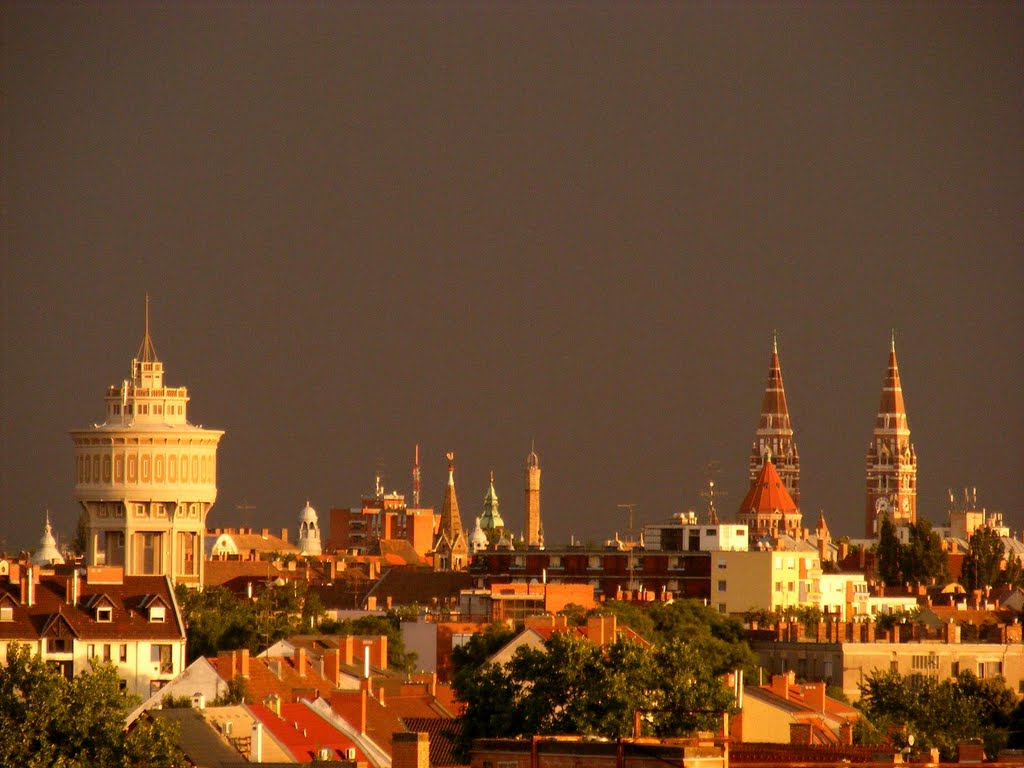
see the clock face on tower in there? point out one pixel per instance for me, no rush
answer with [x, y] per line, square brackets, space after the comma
[905, 504]
[882, 505]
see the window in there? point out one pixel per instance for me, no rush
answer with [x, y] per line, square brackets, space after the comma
[778, 586]
[555, 561]
[721, 564]
[122, 685]
[594, 563]
[924, 662]
[161, 654]
[105, 613]
[58, 645]
[157, 613]
[6, 613]
[106, 652]
[90, 651]
[987, 669]
[721, 586]
[710, 532]
[124, 653]
[721, 607]
[791, 589]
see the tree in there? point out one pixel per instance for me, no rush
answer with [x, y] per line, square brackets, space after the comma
[983, 564]
[216, 620]
[572, 686]
[888, 554]
[919, 561]
[47, 720]
[939, 714]
[921, 558]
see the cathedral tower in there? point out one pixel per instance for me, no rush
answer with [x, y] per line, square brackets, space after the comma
[775, 433]
[146, 478]
[891, 460]
[534, 531]
[451, 549]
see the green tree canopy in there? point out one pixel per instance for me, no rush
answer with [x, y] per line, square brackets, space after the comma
[572, 686]
[919, 561]
[983, 564]
[48, 721]
[939, 714]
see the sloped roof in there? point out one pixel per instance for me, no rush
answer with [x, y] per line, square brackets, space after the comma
[418, 585]
[304, 732]
[201, 744]
[443, 732]
[768, 494]
[129, 619]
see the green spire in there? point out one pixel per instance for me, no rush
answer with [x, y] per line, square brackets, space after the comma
[490, 521]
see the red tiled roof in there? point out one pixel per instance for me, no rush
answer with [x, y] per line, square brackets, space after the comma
[304, 732]
[217, 572]
[768, 493]
[129, 617]
[443, 732]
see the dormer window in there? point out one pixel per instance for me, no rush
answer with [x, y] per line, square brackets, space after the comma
[105, 613]
[6, 613]
[157, 613]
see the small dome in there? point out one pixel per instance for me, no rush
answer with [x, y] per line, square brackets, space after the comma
[478, 539]
[308, 514]
[47, 554]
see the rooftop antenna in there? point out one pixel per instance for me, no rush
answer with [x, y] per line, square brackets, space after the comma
[630, 509]
[711, 492]
[243, 509]
[416, 478]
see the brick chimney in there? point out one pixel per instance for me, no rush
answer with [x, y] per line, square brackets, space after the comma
[410, 750]
[242, 664]
[300, 661]
[814, 696]
[846, 733]
[284, 535]
[332, 667]
[273, 703]
[800, 733]
[601, 629]
[780, 684]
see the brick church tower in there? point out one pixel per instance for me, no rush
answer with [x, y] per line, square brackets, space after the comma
[891, 460]
[775, 433]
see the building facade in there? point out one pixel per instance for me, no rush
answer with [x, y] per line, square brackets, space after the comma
[145, 477]
[68, 619]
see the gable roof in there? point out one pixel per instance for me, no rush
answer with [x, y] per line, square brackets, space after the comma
[201, 744]
[409, 585]
[129, 619]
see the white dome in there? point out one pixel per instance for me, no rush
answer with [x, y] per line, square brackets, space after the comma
[308, 514]
[47, 554]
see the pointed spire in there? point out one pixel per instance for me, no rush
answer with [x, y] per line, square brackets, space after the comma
[147, 352]
[774, 409]
[892, 404]
[451, 522]
[491, 519]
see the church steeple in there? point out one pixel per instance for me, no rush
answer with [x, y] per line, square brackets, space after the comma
[450, 546]
[775, 431]
[891, 459]
[490, 521]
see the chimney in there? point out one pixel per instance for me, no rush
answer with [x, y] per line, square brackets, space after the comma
[332, 667]
[780, 684]
[846, 733]
[228, 664]
[242, 665]
[814, 696]
[264, 532]
[800, 733]
[380, 695]
[349, 649]
[284, 535]
[300, 661]
[362, 711]
[410, 750]
[601, 629]
[256, 749]
[273, 703]
[371, 603]
[844, 550]
[366, 661]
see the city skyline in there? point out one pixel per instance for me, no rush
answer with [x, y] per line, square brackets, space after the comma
[473, 228]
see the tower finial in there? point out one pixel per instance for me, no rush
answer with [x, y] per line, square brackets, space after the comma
[147, 352]
[892, 340]
[775, 341]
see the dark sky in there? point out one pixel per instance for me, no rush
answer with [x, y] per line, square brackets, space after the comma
[470, 226]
